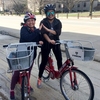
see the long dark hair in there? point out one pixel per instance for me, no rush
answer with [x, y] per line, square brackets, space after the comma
[22, 24]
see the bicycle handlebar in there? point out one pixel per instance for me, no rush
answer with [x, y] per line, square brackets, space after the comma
[69, 42]
[57, 42]
[34, 43]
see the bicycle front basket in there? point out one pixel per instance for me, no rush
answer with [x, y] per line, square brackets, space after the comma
[20, 60]
[81, 53]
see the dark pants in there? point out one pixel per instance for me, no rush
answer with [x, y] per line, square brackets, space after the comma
[45, 53]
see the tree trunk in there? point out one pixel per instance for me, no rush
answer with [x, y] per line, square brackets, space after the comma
[91, 7]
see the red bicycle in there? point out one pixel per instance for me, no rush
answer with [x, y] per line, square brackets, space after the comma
[74, 83]
[20, 58]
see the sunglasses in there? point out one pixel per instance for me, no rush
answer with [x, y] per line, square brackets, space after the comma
[50, 13]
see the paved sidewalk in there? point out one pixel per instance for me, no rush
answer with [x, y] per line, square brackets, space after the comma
[5, 78]
[51, 89]
[70, 31]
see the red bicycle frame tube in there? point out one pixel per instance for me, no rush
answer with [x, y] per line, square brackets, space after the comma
[57, 74]
[25, 73]
[72, 76]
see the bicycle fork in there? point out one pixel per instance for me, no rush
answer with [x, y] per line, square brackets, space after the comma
[73, 79]
[25, 74]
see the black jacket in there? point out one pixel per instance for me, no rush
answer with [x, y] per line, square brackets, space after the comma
[26, 35]
[56, 25]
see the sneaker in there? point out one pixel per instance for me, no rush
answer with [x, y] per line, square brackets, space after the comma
[39, 81]
[9, 71]
[31, 89]
[12, 96]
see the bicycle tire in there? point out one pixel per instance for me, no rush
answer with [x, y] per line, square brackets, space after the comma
[24, 89]
[84, 89]
[46, 74]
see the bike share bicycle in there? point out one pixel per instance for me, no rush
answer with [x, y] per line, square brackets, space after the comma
[74, 83]
[20, 58]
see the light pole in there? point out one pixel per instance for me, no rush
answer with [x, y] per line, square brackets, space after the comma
[3, 4]
[62, 7]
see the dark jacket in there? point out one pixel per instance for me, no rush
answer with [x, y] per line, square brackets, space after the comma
[27, 35]
[56, 25]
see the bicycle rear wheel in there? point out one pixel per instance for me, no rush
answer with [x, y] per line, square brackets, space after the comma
[83, 90]
[24, 89]
[46, 74]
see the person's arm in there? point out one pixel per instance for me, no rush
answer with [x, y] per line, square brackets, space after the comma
[48, 39]
[58, 30]
[49, 30]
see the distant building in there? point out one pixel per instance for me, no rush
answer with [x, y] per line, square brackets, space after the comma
[84, 5]
[34, 5]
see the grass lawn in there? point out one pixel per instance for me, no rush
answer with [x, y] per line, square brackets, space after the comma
[80, 14]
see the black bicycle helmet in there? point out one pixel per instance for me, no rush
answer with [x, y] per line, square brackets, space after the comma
[49, 7]
[29, 16]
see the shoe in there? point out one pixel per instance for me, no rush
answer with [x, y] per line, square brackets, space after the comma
[31, 89]
[39, 81]
[12, 96]
[9, 71]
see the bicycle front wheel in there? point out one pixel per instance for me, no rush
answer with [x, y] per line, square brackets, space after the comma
[24, 89]
[83, 88]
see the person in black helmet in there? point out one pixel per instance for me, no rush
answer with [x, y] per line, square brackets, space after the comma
[51, 30]
[28, 33]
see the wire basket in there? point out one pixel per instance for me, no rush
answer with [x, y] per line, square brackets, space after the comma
[77, 51]
[81, 53]
[20, 56]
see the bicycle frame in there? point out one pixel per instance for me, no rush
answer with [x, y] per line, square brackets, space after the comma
[74, 83]
[20, 58]
[24, 73]
[65, 66]
[57, 74]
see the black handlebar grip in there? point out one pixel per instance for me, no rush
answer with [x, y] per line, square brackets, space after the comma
[57, 42]
[4, 46]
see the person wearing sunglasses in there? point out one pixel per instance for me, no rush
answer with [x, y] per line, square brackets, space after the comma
[51, 30]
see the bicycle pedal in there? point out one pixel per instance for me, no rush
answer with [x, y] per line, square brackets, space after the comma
[9, 71]
[45, 80]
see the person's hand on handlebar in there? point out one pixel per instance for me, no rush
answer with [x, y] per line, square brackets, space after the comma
[52, 41]
[41, 42]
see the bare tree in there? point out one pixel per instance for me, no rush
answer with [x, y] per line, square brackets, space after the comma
[20, 6]
[70, 4]
[42, 3]
[91, 7]
[36, 5]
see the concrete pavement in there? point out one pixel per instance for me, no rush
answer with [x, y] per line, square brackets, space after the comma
[77, 29]
[47, 92]
[50, 90]
[92, 35]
